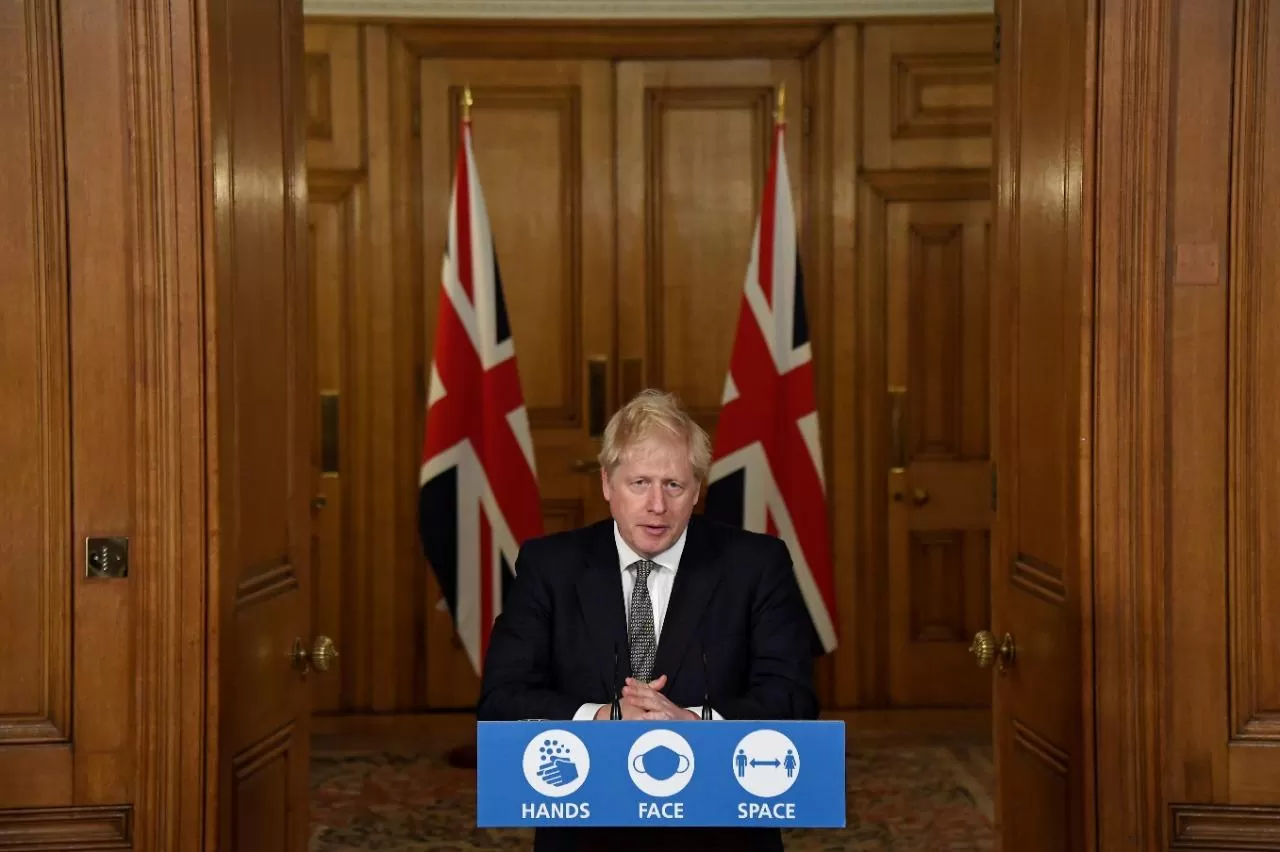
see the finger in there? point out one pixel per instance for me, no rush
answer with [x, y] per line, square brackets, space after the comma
[655, 701]
[659, 683]
[640, 692]
[644, 702]
[662, 715]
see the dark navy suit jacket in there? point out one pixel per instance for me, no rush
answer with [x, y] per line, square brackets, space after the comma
[735, 599]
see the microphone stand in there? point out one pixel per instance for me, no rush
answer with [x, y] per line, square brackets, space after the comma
[615, 709]
[706, 689]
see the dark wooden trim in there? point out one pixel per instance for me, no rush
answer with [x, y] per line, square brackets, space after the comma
[931, 184]
[81, 829]
[1223, 828]
[610, 39]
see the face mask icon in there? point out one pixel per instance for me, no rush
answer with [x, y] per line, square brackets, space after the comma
[660, 763]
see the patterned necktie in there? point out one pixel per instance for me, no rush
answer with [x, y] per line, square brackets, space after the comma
[640, 632]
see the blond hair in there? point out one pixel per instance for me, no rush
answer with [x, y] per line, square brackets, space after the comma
[649, 412]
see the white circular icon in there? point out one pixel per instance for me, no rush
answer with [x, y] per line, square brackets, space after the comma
[556, 763]
[766, 763]
[660, 763]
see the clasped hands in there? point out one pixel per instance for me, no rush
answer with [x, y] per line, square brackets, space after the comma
[645, 701]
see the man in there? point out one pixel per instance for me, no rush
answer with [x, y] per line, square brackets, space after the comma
[656, 589]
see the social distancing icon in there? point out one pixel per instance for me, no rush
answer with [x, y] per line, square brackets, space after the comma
[766, 763]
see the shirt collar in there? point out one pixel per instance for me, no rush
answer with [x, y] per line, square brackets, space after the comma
[669, 558]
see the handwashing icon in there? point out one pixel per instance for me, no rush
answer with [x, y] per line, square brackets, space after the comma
[661, 763]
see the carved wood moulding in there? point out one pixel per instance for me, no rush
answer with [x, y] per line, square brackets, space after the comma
[583, 10]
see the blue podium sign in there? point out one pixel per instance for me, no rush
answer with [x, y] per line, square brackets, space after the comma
[723, 774]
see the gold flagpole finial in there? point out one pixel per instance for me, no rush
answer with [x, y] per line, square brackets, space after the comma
[466, 102]
[780, 110]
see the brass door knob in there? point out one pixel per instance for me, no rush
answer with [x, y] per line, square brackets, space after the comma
[986, 651]
[323, 653]
[919, 496]
[586, 466]
[320, 657]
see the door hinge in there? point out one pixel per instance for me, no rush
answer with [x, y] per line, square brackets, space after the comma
[995, 41]
[994, 484]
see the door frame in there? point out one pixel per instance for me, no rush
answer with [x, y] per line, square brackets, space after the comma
[174, 699]
[1129, 48]
[176, 650]
[829, 52]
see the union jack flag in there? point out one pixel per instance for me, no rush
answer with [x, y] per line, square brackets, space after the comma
[767, 474]
[478, 498]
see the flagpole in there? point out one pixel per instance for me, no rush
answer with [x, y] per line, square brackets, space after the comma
[780, 109]
[463, 756]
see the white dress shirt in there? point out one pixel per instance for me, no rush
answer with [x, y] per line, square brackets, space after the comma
[661, 581]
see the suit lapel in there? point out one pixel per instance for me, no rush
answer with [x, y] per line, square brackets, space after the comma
[600, 597]
[698, 576]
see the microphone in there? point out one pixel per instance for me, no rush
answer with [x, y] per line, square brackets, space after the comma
[706, 689]
[615, 710]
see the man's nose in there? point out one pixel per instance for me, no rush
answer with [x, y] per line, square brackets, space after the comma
[657, 502]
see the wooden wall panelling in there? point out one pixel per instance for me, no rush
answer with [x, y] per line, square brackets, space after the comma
[364, 352]
[334, 80]
[611, 40]
[403, 162]
[542, 139]
[392, 582]
[102, 226]
[693, 148]
[829, 238]
[1186, 379]
[259, 425]
[927, 95]
[1224, 828]
[101, 738]
[1253, 578]
[35, 444]
[84, 829]
[1202, 390]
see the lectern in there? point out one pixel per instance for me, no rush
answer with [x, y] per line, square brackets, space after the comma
[695, 773]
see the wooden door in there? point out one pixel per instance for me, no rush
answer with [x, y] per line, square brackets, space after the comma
[260, 427]
[693, 143]
[70, 440]
[542, 136]
[1042, 332]
[940, 478]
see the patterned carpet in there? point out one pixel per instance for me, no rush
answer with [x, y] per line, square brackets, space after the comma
[929, 794]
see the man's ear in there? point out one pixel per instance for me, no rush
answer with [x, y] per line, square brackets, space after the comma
[605, 488]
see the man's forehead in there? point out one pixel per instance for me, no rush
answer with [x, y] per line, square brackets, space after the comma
[655, 454]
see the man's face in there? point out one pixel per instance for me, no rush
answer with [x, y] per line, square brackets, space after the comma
[651, 494]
